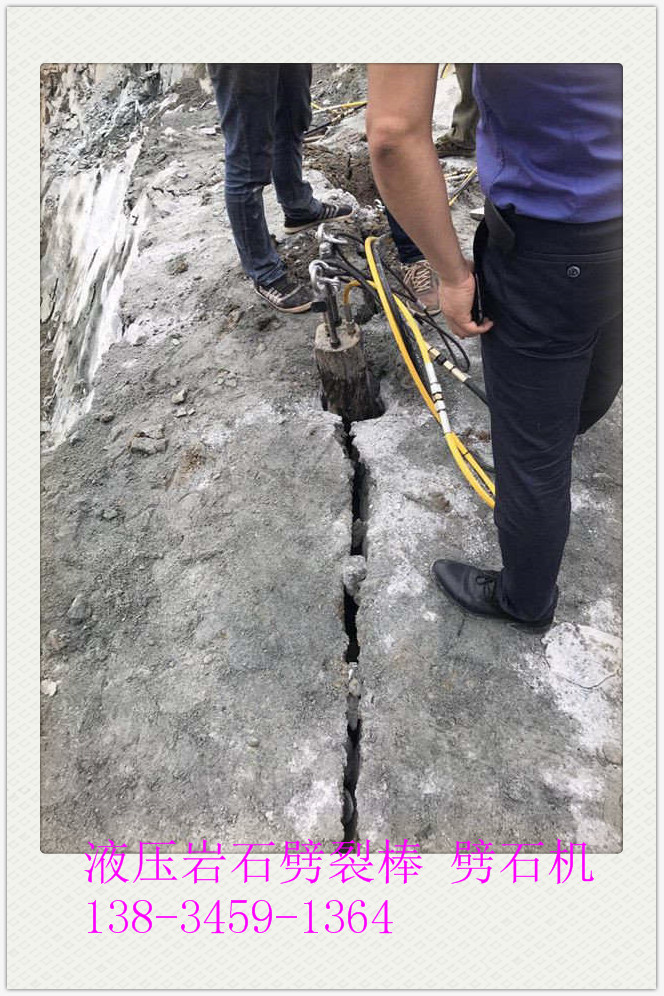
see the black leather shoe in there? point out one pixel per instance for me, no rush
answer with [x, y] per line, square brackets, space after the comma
[474, 590]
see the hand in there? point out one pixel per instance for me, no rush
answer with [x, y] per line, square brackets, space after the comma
[456, 301]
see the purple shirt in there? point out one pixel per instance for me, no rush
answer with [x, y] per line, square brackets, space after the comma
[549, 141]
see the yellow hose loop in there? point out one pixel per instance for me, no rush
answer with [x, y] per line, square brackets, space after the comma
[412, 370]
[433, 351]
[463, 186]
[415, 329]
[348, 288]
[476, 467]
[466, 462]
[391, 320]
[461, 455]
[482, 482]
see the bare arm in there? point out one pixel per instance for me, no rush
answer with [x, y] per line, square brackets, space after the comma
[411, 182]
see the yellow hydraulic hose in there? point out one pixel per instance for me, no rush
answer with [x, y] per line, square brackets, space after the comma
[412, 370]
[476, 476]
[468, 179]
[433, 351]
[338, 107]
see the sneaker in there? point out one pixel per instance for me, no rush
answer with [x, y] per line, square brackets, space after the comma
[448, 147]
[474, 591]
[284, 295]
[422, 281]
[328, 212]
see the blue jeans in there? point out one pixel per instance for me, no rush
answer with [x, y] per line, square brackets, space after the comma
[264, 110]
[407, 251]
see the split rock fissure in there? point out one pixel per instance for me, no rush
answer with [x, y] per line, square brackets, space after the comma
[352, 581]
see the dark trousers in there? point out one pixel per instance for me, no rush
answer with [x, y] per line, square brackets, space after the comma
[264, 109]
[552, 368]
[407, 251]
[466, 113]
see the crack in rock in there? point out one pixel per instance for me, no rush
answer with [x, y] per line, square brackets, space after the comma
[354, 573]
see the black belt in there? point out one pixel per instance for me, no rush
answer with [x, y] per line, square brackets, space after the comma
[508, 230]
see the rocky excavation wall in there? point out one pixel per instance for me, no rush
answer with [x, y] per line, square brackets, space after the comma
[240, 639]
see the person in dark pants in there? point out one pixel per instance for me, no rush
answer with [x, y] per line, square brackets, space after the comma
[549, 259]
[416, 271]
[460, 140]
[265, 109]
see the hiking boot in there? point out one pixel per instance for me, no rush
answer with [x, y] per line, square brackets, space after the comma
[422, 282]
[328, 212]
[284, 295]
[446, 146]
[474, 591]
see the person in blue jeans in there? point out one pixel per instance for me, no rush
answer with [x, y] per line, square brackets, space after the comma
[265, 109]
[549, 259]
[417, 272]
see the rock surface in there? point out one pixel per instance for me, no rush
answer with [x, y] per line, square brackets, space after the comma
[228, 583]
[472, 729]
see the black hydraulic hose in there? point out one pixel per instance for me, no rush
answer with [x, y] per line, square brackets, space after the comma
[352, 271]
[388, 290]
[346, 268]
[457, 353]
[406, 335]
[453, 347]
[460, 375]
[341, 271]
[470, 384]
[357, 274]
